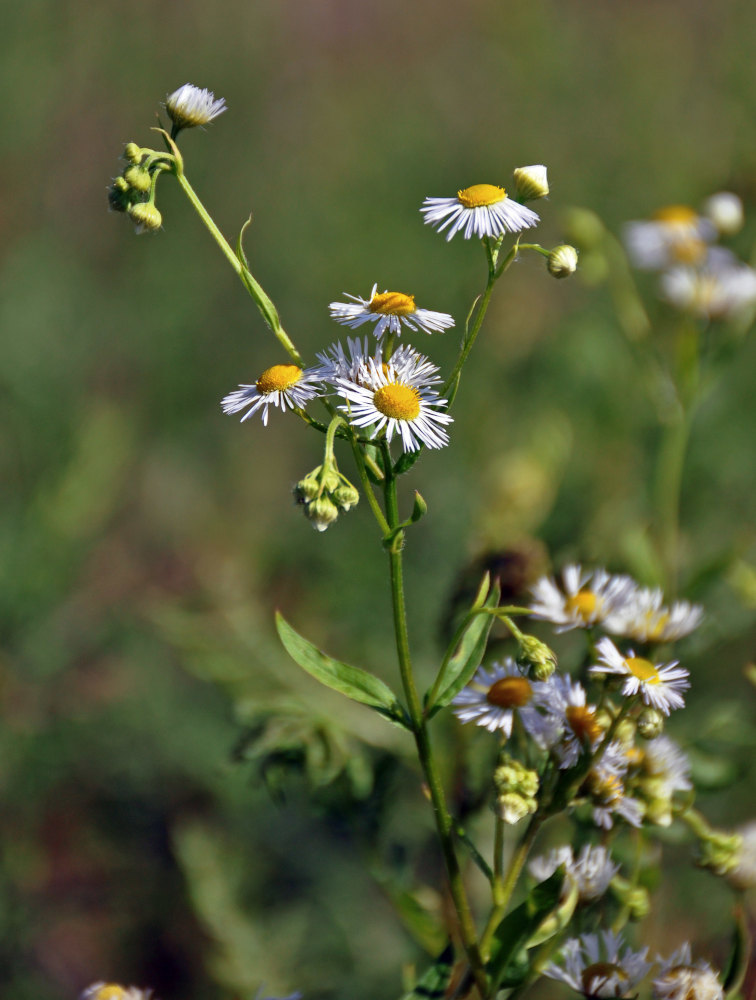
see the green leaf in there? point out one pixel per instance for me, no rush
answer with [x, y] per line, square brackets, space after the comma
[471, 648]
[435, 980]
[406, 461]
[737, 965]
[507, 960]
[355, 683]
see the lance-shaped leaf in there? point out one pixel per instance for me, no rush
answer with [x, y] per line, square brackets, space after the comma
[435, 980]
[355, 683]
[471, 647]
[508, 963]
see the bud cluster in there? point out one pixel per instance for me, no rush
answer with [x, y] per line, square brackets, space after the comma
[323, 493]
[133, 192]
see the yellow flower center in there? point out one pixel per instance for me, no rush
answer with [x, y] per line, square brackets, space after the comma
[510, 692]
[584, 604]
[676, 215]
[400, 402]
[278, 378]
[644, 670]
[110, 991]
[603, 971]
[655, 625]
[606, 789]
[393, 304]
[481, 194]
[582, 722]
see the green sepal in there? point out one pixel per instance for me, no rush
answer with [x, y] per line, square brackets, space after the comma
[434, 982]
[355, 683]
[419, 508]
[508, 962]
[471, 648]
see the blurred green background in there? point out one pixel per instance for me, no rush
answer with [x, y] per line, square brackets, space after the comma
[146, 539]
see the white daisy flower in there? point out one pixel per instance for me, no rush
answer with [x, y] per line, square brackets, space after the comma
[396, 397]
[579, 729]
[592, 965]
[287, 386]
[674, 235]
[721, 288]
[190, 106]
[493, 696]
[644, 617]
[591, 872]
[336, 364]
[584, 599]
[112, 991]
[658, 684]
[482, 210]
[389, 311]
[679, 979]
[605, 785]
[664, 770]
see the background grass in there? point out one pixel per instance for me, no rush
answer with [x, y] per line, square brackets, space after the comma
[145, 538]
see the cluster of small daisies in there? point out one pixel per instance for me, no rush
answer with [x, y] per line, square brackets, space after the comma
[391, 392]
[697, 276]
[619, 775]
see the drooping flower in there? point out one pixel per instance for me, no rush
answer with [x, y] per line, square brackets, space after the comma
[480, 210]
[584, 599]
[680, 979]
[397, 397]
[190, 106]
[494, 696]
[286, 386]
[389, 311]
[595, 966]
[659, 685]
[591, 871]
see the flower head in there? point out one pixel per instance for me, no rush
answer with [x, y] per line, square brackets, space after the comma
[493, 697]
[579, 729]
[591, 871]
[584, 599]
[397, 397]
[660, 685]
[336, 363]
[722, 287]
[482, 210]
[389, 311]
[743, 874]
[594, 966]
[725, 210]
[680, 979]
[287, 386]
[605, 786]
[112, 991]
[531, 182]
[190, 106]
[674, 235]
[644, 617]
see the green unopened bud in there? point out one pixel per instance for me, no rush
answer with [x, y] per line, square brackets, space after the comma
[634, 897]
[531, 182]
[321, 512]
[583, 227]
[119, 197]
[132, 152]
[516, 790]
[537, 655]
[346, 496]
[308, 488]
[138, 178]
[146, 216]
[650, 723]
[725, 210]
[743, 874]
[719, 851]
[562, 261]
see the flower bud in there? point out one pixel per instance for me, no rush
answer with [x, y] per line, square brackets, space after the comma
[321, 512]
[562, 261]
[719, 851]
[190, 106]
[146, 216]
[650, 723]
[634, 897]
[537, 655]
[138, 178]
[531, 182]
[307, 489]
[132, 152]
[346, 496]
[119, 197]
[743, 874]
[516, 790]
[725, 210]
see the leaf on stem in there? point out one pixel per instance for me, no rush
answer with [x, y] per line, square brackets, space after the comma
[355, 683]
[509, 964]
[435, 980]
[471, 646]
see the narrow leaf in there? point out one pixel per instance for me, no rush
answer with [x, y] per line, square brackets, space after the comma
[435, 980]
[472, 646]
[355, 683]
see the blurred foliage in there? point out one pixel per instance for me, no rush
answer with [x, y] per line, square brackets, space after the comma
[145, 539]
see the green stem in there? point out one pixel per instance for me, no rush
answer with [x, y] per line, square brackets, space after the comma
[444, 822]
[502, 892]
[670, 466]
